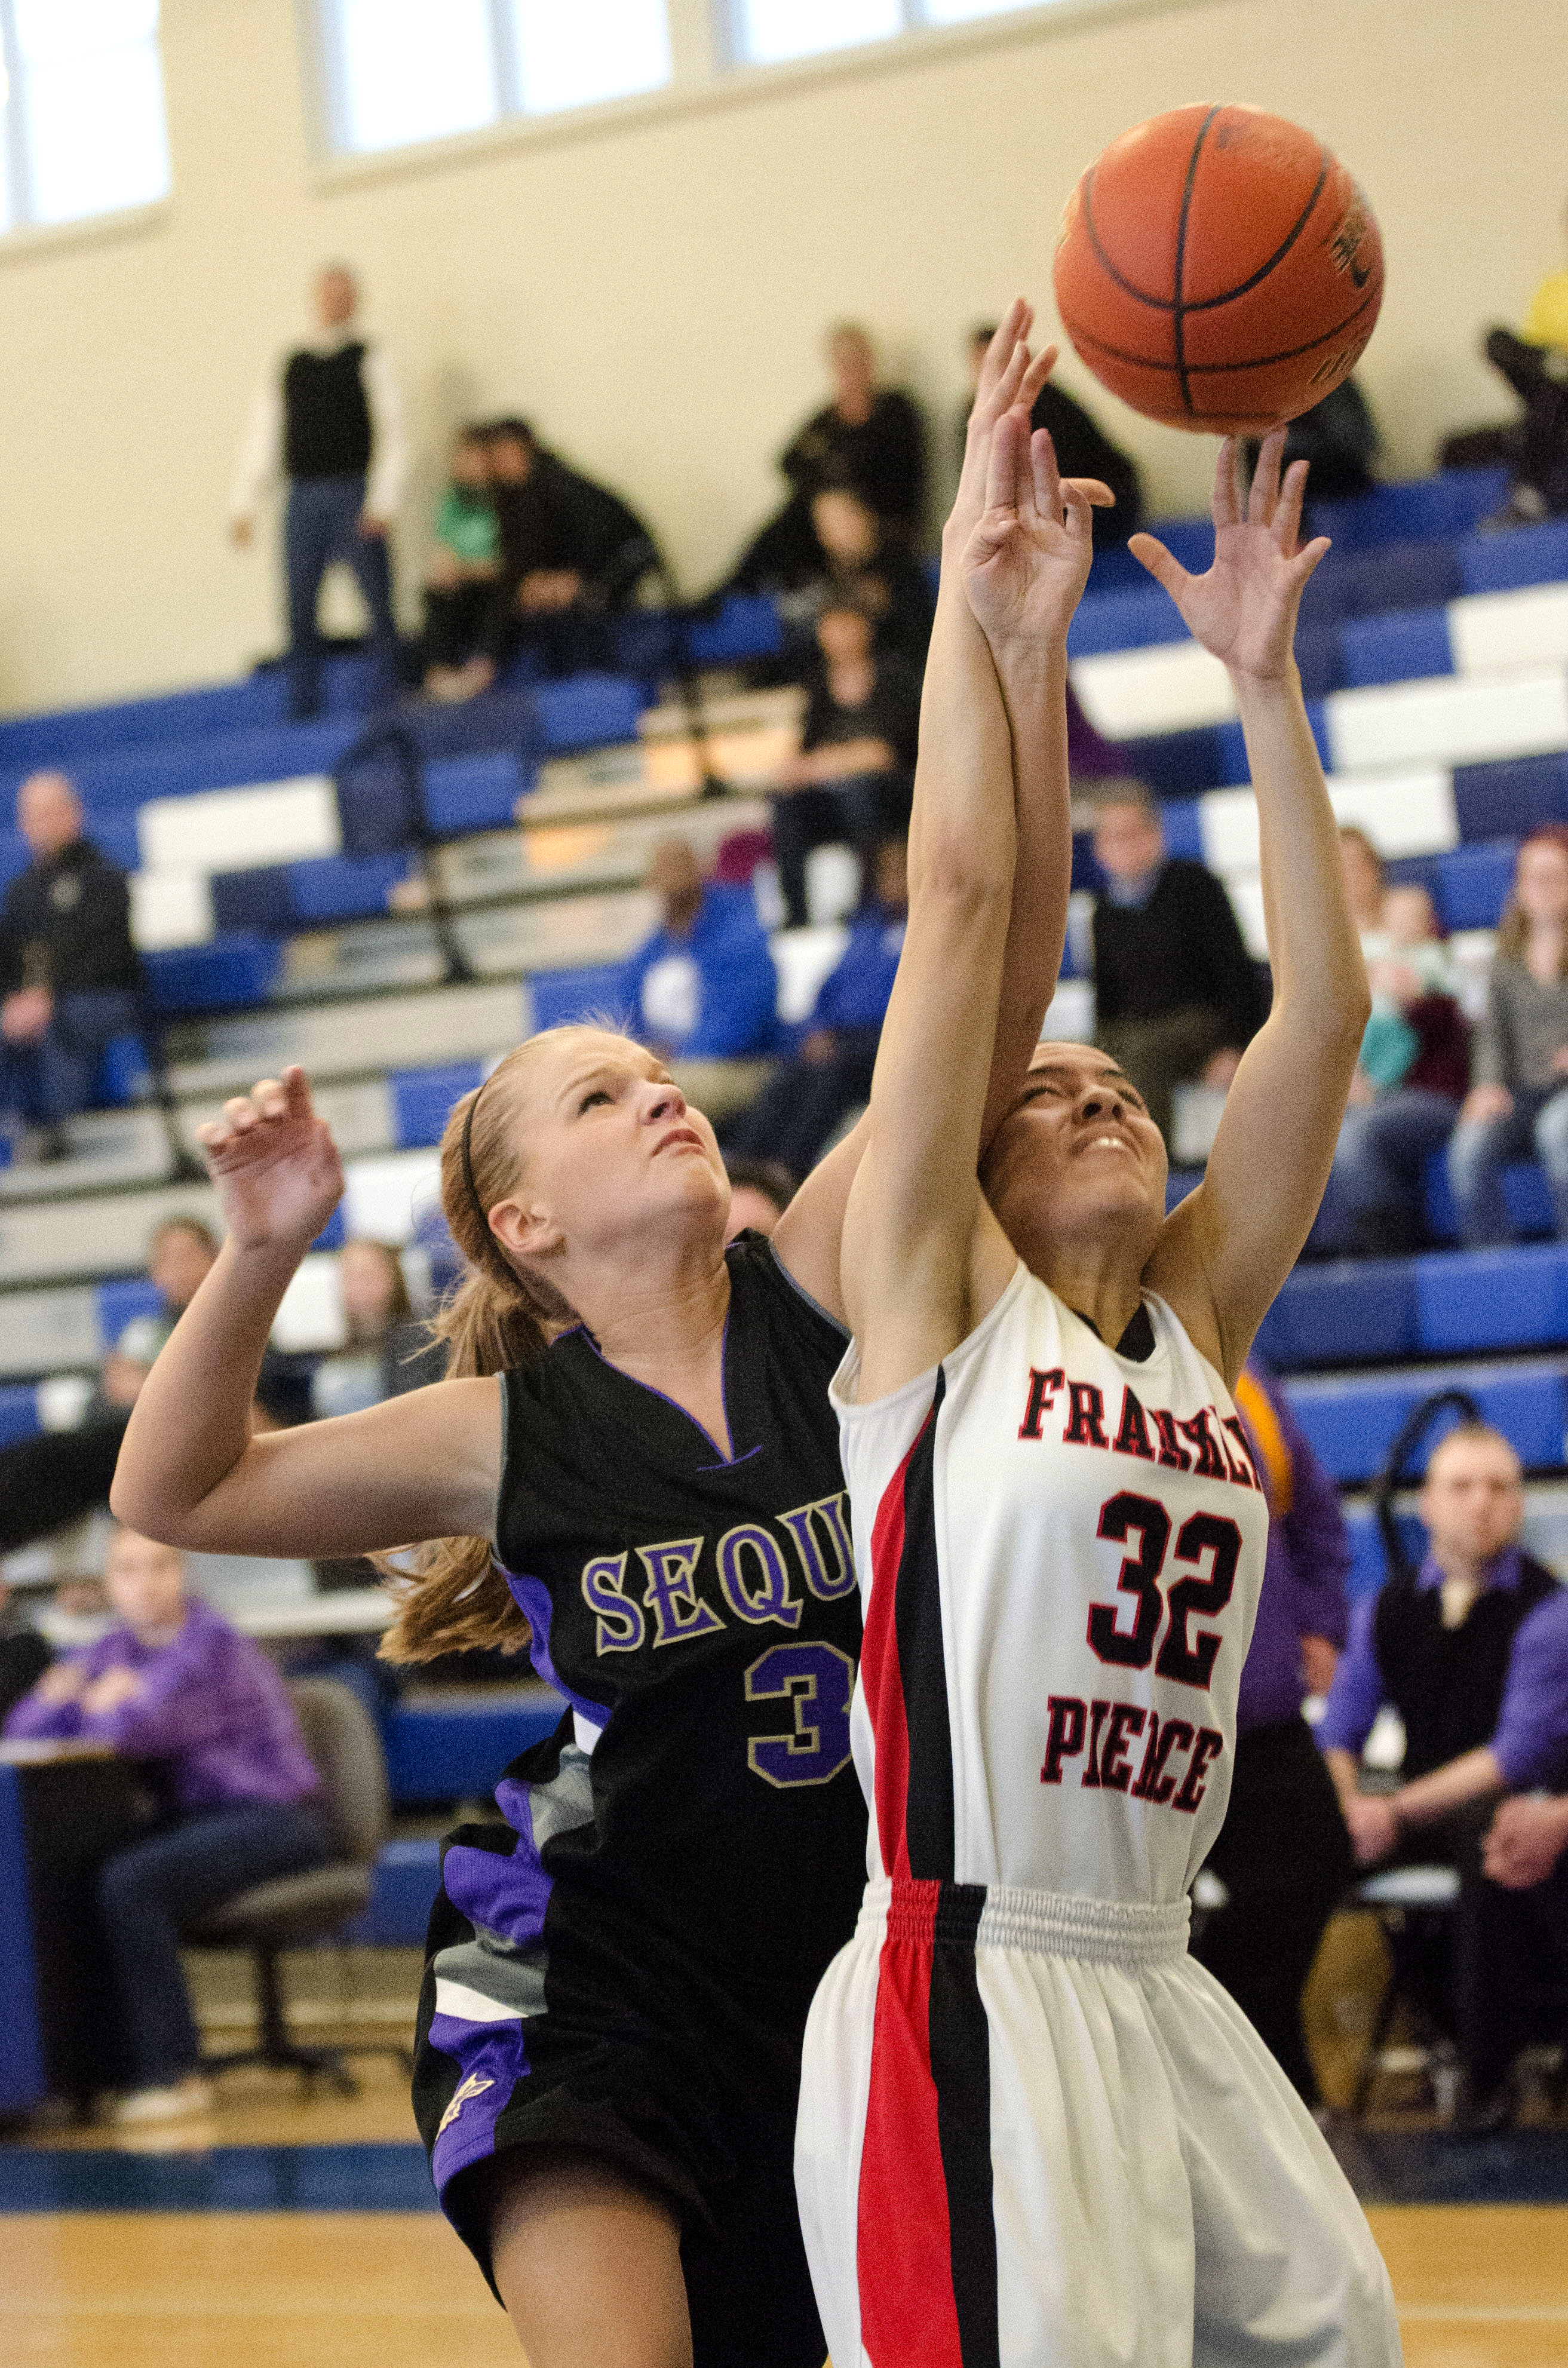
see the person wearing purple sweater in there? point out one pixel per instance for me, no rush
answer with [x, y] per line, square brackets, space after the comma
[175, 1687]
[1283, 1854]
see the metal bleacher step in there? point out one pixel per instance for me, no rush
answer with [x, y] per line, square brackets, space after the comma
[350, 1038]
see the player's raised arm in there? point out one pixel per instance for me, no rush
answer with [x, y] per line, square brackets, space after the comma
[922, 1257]
[191, 1474]
[1031, 680]
[1224, 1253]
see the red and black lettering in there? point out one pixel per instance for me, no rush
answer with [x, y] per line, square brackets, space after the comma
[1097, 1711]
[1247, 1475]
[1209, 1746]
[1171, 1452]
[1086, 1426]
[1211, 1464]
[1139, 1578]
[1127, 1719]
[1064, 1734]
[1043, 1397]
[1132, 1432]
[1188, 1659]
[1153, 1784]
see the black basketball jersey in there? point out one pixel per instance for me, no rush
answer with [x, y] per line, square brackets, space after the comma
[702, 1618]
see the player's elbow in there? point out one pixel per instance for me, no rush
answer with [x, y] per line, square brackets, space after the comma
[954, 874]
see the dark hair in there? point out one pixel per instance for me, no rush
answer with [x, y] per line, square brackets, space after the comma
[1514, 929]
[768, 1176]
[451, 1594]
[509, 430]
[1124, 790]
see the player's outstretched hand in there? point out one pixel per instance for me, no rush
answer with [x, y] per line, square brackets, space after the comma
[1009, 380]
[275, 1164]
[1244, 609]
[1026, 561]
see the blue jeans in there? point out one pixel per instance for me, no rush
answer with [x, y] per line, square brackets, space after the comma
[149, 1892]
[46, 1082]
[321, 525]
[1536, 1127]
[1379, 1165]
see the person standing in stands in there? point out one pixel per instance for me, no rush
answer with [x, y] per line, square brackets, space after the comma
[1283, 1854]
[1083, 450]
[174, 1686]
[1535, 364]
[330, 423]
[1471, 1650]
[850, 777]
[870, 441]
[1176, 996]
[702, 991]
[1518, 1103]
[70, 977]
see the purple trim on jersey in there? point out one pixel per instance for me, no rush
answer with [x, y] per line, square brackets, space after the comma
[532, 1599]
[724, 1460]
[508, 1895]
[488, 2052]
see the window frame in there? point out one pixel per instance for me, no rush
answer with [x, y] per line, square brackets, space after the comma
[704, 74]
[24, 233]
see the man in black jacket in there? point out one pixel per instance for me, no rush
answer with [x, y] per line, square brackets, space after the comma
[69, 973]
[1176, 993]
[571, 554]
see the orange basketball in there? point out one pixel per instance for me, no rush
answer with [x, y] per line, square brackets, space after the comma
[1217, 268]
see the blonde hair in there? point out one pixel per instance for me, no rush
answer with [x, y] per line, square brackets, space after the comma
[451, 1596]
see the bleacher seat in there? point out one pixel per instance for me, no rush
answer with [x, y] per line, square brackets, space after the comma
[1526, 555]
[1439, 1303]
[1351, 1420]
[1410, 641]
[1446, 721]
[747, 627]
[589, 710]
[240, 829]
[473, 793]
[563, 996]
[19, 1412]
[1524, 1193]
[342, 887]
[1426, 509]
[1507, 799]
[1137, 618]
[458, 1746]
[421, 1099]
[118, 1303]
[1494, 631]
[404, 1884]
[227, 976]
[1473, 885]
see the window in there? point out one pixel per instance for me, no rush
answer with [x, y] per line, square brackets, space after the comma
[402, 71]
[765, 32]
[82, 127]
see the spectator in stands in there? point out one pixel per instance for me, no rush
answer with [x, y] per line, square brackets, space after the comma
[1177, 995]
[797, 1113]
[760, 1191]
[1083, 450]
[70, 978]
[463, 567]
[1471, 1650]
[179, 1257]
[388, 1350]
[329, 420]
[1338, 437]
[1519, 1100]
[1535, 364]
[861, 564]
[852, 776]
[702, 989]
[1283, 1854]
[571, 554]
[23, 1655]
[1413, 1070]
[870, 440]
[172, 1685]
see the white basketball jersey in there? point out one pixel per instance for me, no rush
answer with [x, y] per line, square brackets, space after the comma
[1060, 1551]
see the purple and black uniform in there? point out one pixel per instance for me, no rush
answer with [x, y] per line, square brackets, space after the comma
[625, 1965]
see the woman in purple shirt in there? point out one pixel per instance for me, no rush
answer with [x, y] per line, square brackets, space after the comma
[1283, 1854]
[175, 1687]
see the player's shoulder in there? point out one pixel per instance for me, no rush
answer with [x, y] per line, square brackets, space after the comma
[764, 1293]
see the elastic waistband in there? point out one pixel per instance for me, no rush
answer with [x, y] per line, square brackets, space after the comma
[1043, 1923]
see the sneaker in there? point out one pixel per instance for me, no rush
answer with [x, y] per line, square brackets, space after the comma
[188, 2096]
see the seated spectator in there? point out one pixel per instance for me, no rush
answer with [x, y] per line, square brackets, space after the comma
[797, 1113]
[24, 1655]
[1471, 1650]
[858, 565]
[760, 1191]
[702, 990]
[459, 583]
[1177, 996]
[389, 1351]
[571, 554]
[1338, 437]
[174, 1685]
[1414, 1069]
[870, 440]
[852, 776]
[1083, 450]
[1518, 1103]
[1283, 1854]
[1535, 364]
[70, 978]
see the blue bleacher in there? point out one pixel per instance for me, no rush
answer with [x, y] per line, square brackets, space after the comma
[19, 1412]
[1351, 1420]
[1439, 1303]
[229, 760]
[1394, 648]
[1506, 562]
[563, 997]
[747, 627]
[233, 971]
[121, 1303]
[589, 710]
[1137, 618]
[470, 793]
[457, 1748]
[1427, 509]
[1475, 883]
[421, 1098]
[1511, 798]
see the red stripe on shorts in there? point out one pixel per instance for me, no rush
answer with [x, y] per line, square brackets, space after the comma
[880, 1673]
[904, 2242]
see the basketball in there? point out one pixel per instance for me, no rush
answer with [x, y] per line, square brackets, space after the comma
[1218, 270]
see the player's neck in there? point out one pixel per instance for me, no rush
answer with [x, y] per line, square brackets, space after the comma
[1101, 1288]
[664, 1325]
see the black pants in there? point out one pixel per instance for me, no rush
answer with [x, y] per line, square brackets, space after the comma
[858, 810]
[455, 619]
[1538, 376]
[1284, 1856]
[1493, 1972]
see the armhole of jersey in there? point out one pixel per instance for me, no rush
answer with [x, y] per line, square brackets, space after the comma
[772, 1259]
[504, 1379]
